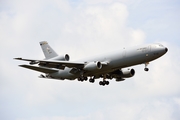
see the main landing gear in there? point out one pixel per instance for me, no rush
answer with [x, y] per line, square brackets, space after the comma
[91, 80]
[82, 79]
[146, 64]
[104, 82]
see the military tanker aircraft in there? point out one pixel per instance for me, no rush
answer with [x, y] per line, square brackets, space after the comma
[109, 66]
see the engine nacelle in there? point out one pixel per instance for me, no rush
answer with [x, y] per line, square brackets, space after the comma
[93, 66]
[62, 58]
[126, 73]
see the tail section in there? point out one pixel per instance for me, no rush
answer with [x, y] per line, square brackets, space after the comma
[47, 50]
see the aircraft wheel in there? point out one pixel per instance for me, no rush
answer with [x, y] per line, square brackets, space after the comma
[81, 79]
[146, 69]
[102, 83]
[91, 80]
[85, 78]
[106, 82]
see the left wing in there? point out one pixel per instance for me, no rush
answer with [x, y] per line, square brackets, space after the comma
[55, 64]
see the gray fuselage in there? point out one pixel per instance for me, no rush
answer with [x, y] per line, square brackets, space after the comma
[117, 60]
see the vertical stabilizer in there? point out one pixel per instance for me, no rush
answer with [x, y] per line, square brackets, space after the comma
[47, 50]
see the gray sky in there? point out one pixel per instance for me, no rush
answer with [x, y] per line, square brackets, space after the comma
[86, 28]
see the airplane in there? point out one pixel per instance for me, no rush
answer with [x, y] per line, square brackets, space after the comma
[114, 65]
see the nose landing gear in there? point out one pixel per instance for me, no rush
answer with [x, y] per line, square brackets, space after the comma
[146, 64]
[146, 69]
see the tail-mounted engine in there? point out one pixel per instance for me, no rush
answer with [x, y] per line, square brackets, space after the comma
[62, 58]
[92, 66]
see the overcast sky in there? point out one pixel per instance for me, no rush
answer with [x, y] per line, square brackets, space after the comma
[84, 28]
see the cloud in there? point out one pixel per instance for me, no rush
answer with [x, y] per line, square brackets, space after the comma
[150, 110]
[99, 27]
[93, 25]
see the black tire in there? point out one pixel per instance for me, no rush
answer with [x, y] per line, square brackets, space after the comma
[100, 83]
[91, 80]
[146, 69]
[81, 79]
[107, 82]
[85, 78]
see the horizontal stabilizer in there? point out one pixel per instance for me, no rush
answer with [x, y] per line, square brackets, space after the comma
[40, 69]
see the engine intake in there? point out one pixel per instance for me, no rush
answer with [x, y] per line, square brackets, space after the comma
[126, 73]
[123, 73]
[93, 66]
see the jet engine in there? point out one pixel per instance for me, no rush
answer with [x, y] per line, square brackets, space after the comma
[62, 58]
[123, 73]
[93, 66]
[126, 73]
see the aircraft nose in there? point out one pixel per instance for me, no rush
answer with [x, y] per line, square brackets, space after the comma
[166, 49]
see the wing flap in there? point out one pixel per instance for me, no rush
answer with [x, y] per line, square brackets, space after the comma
[39, 69]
